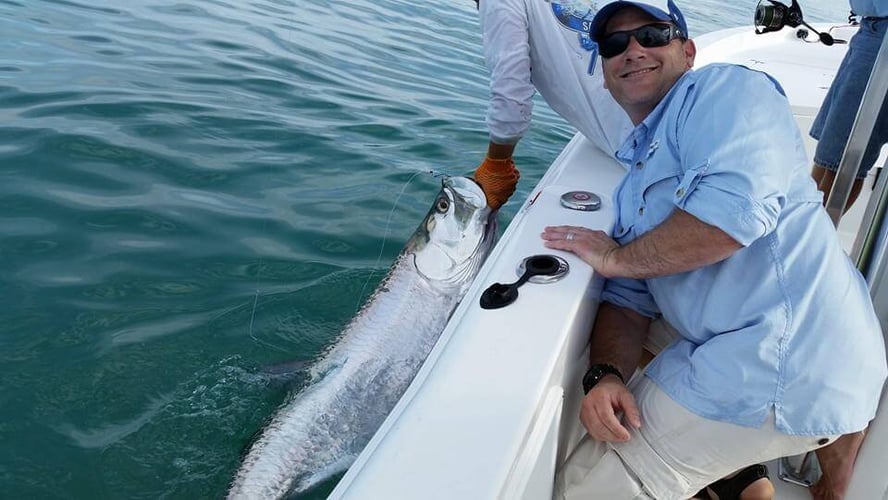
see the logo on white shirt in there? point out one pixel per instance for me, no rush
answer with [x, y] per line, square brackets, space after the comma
[576, 15]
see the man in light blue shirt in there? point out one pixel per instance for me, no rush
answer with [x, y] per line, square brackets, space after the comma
[719, 230]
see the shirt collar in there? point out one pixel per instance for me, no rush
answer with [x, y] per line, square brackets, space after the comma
[640, 135]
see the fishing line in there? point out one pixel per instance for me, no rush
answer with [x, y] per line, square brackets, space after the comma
[256, 300]
[385, 233]
[256, 296]
[259, 265]
[259, 271]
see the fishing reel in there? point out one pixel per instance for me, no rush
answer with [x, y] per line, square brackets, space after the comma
[772, 15]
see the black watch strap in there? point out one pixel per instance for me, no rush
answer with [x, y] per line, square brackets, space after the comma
[597, 372]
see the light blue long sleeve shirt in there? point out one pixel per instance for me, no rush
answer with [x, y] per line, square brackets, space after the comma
[786, 322]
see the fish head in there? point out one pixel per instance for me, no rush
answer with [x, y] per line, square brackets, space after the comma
[456, 236]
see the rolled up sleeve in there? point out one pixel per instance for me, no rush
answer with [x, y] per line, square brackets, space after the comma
[740, 151]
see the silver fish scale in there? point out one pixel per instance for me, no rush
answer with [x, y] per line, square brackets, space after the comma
[321, 430]
[358, 383]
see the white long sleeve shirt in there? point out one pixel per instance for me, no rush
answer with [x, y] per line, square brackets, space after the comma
[544, 45]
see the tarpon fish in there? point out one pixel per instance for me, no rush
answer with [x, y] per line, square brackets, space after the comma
[322, 429]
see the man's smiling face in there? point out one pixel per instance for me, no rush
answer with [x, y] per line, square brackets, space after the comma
[640, 77]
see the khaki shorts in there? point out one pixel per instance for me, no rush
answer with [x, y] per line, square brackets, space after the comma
[673, 455]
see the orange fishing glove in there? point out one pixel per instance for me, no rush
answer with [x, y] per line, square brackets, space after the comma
[498, 179]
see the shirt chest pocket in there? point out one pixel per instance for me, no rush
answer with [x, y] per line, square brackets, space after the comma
[663, 191]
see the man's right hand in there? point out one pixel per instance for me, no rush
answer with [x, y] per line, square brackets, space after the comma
[498, 179]
[600, 407]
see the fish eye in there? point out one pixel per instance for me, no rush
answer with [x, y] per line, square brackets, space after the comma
[442, 205]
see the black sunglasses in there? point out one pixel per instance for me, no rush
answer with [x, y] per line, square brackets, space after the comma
[649, 35]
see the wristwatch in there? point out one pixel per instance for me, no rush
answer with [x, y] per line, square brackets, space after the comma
[597, 372]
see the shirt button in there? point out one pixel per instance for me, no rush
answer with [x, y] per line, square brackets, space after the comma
[641, 211]
[679, 192]
[823, 441]
[639, 164]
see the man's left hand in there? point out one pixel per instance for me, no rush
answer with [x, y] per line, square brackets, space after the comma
[594, 247]
[601, 408]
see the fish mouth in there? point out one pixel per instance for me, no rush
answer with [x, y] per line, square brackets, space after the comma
[452, 246]
[468, 190]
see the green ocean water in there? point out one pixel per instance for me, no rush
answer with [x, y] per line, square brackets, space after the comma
[191, 191]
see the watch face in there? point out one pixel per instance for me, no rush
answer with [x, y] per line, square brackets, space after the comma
[596, 373]
[592, 377]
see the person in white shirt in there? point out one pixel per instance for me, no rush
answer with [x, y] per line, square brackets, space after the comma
[541, 46]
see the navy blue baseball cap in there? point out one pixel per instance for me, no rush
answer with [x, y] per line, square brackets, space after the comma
[661, 10]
